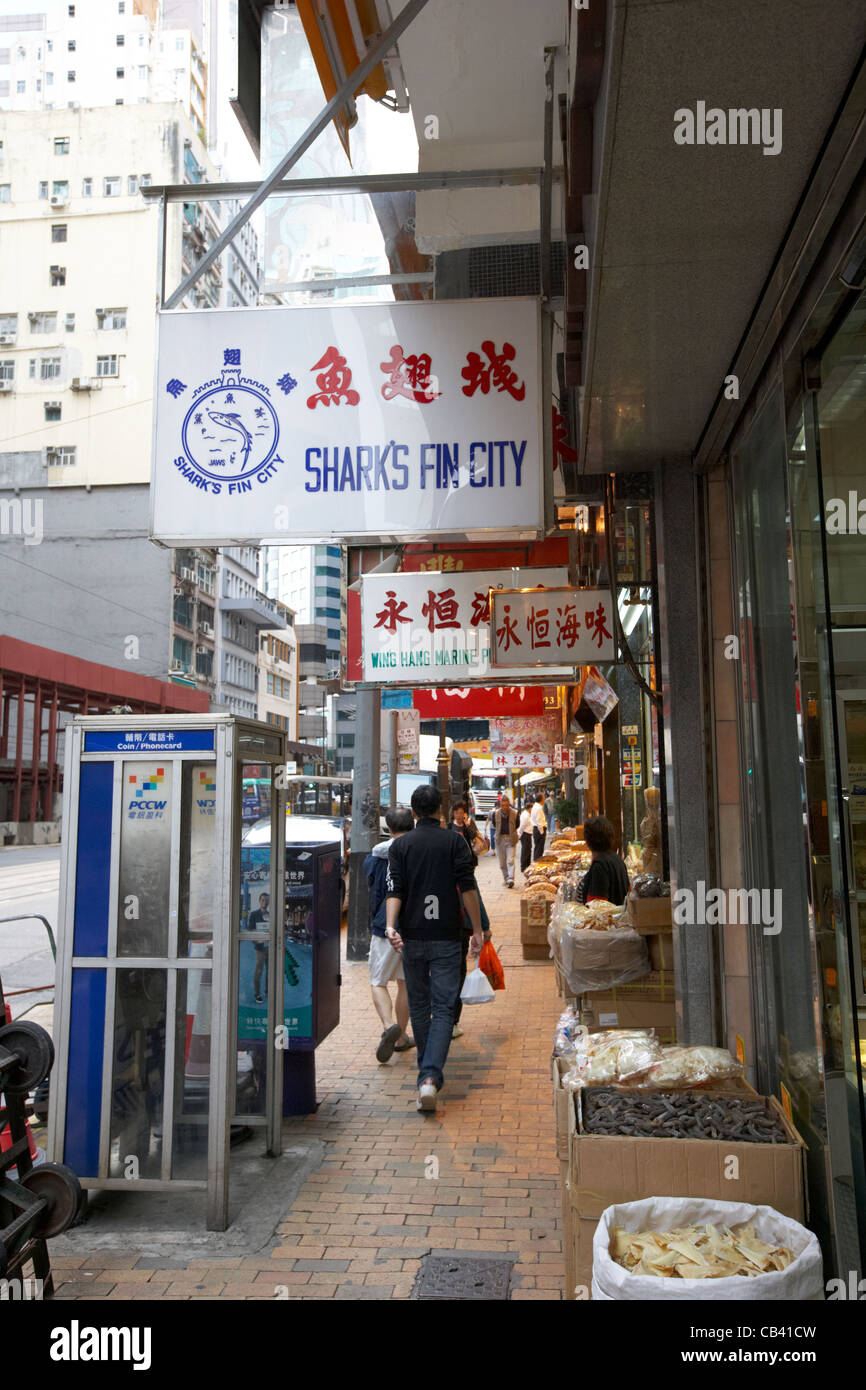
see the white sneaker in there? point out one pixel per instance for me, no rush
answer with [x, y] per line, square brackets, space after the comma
[427, 1096]
[457, 1031]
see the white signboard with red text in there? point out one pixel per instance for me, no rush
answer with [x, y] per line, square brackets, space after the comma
[550, 627]
[428, 628]
[403, 419]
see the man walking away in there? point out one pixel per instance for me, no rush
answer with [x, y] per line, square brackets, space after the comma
[385, 962]
[539, 826]
[505, 822]
[550, 812]
[428, 871]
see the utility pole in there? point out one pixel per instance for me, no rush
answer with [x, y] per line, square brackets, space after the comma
[392, 757]
[443, 773]
[365, 820]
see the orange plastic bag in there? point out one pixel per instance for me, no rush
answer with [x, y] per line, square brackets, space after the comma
[490, 964]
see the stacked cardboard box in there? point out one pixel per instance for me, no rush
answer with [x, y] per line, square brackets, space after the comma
[605, 1169]
[534, 919]
[646, 1003]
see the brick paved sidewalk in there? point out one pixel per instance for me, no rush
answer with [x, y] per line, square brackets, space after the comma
[365, 1218]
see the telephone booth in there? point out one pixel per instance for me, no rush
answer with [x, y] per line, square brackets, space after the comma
[159, 944]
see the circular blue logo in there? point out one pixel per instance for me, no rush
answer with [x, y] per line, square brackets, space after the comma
[230, 432]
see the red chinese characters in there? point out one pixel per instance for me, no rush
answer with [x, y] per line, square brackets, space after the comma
[409, 377]
[538, 623]
[334, 381]
[506, 635]
[480, 608]
[392, 613]
[567, 625]
[495, 372]
[440, 610]
[595, 624]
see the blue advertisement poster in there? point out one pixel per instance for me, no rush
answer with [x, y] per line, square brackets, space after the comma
[298, 954]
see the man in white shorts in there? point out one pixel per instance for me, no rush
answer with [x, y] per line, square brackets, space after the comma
[386, 964]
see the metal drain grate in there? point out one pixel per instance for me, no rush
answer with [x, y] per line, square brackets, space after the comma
[465, 1277]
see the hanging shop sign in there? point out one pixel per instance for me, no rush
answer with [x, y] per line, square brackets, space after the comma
[538, 758]
[564, 757]
[536, 736]
[551, 627]
[427, 629]
[479, 701]
[405, 419]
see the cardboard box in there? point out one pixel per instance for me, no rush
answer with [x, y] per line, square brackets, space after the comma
[649, 914]
[604, 1169]
[660, 945]
[536, 952]
[631, 1011]
[535, 912]
[533, 935]
[561, 1105]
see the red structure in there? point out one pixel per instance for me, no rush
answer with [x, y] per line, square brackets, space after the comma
[52, 684]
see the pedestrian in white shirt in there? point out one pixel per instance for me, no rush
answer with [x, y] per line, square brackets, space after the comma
[539, 826]
[525, 836]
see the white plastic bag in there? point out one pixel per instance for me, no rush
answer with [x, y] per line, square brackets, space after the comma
[802, 1280]
[477, 989]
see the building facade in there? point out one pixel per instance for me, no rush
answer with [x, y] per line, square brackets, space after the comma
[278, 679]
[244, 612]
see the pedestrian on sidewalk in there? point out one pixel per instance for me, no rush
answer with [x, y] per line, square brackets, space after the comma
[505, 825]
[607, 876]
[550, 813]
[491, 828]
[468, 829]
[539, 826]
[429, 870]
[524, 834]
[385, 963]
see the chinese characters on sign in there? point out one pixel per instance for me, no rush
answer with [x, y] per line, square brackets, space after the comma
[427, 627]
[405, 418]
[542, 627]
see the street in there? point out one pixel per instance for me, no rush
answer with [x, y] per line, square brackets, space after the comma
[29, 878]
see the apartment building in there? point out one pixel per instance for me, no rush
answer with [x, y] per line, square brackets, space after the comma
[278, 678]
[244, 612]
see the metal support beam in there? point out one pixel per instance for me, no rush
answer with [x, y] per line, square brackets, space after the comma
[352, 183]
[416, 277]
[312, 133]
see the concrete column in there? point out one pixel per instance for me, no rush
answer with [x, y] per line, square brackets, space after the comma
[679, 558]
[365, 820]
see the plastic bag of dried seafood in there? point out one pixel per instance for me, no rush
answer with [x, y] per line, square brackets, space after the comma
[615, 1055]
[773, 1240]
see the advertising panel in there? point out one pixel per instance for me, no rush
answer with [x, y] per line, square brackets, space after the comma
[425, 629]
[404, 419]
[547, 628]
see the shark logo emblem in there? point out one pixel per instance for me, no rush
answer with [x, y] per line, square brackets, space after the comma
[230, 432]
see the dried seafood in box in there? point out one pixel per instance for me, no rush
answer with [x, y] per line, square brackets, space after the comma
[692, 1066]
[683, 1115]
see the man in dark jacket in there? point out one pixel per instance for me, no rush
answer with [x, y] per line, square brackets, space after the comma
[428, 871]
[385, 963]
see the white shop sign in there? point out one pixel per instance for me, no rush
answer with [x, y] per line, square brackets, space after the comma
[431, 629]
[531, 626]
[405, 419]
[521, 760]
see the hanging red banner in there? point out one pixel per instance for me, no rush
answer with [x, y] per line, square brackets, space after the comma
[481, 702]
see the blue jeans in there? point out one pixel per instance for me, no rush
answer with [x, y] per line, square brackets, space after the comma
[432, 970]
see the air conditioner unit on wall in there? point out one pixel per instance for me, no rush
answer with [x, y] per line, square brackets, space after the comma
[6, 339]
[6, 385]
[58, 202]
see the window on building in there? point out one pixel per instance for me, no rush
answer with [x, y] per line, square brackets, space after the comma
[142, 72]
[20, 88]
[43, 188]
[5, 193]
[70, 323]
[204, 664]
[118, 101]
[121, 7]
[111, 318]
[49, 45]
[8, 325]
[58, 276]
[183, 610]
[145, 181]
[49, 368]
[60, 188]
[39, 84]
[179, 45]
[106, 366]
[7, 369]
[52, 412]
[70, 45]
[120, 41]
[63, 456]
[182, 652]
[49, 79]
[132, 184]
[119, 72]
[70, 76]
[70, 10]
[58, 231]
[111, 186]
[43, 323]
[87, 188]
[61, 144]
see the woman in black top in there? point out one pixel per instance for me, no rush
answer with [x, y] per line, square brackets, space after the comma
[606, 876]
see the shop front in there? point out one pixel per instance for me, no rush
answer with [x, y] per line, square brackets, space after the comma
[798, 589]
